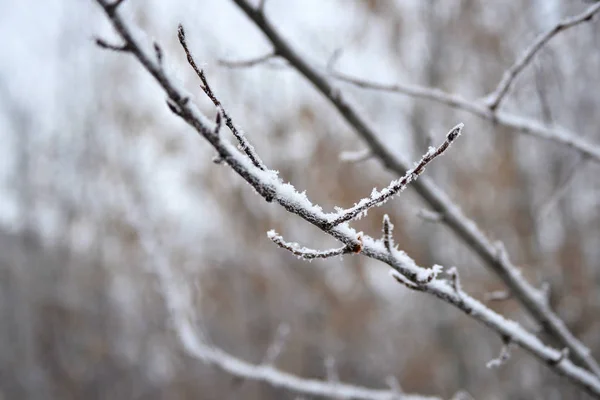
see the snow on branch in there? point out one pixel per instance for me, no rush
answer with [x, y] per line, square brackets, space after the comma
[503, 357]
[268, 185]
[311, 254]
[397, 186]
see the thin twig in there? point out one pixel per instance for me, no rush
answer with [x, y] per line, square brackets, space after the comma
[247, 63]
[245, 146]
[560, 190]
[397, 186]
[481, 110]
[495, 98]
[503, 357]
[108, 46]
[311, 254]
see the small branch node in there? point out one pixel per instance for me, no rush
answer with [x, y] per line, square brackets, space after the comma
[311, 254]
[564, 354]
[248, 63]
[429, 216]
[403, 280]
[335, 56]
[504, 354]
[108, 46]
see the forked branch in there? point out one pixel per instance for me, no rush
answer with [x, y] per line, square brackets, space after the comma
[270, 187]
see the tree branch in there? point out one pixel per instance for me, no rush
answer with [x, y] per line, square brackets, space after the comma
[311, 254]
[494, 99]
[439, 201]
[397, 186]
[480, 109]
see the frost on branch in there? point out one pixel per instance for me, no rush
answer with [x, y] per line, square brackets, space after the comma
[388, 229]
[310, 254]
[378, 198]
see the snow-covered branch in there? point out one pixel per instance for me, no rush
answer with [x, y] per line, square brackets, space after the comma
[450, 214]
[397, 186]
[268, 185]
[310, 254]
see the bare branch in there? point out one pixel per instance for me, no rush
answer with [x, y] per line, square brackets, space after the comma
[564, 354]
[481, 110]
[245, 146]
[388, 230]
[310, 254]
[188, 54]
[397, 186]
[495, 98]
[455, 280]
[248, 63]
